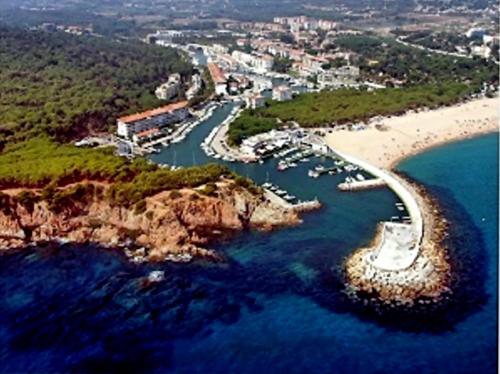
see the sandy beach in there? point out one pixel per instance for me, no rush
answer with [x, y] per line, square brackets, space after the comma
[387, 141]
[381, 146]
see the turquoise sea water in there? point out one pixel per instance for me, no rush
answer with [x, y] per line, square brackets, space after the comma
[275, 305]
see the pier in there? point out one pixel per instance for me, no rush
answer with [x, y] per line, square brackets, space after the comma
[361, 185]
[300, 206]
[216, 146]
[400, 242]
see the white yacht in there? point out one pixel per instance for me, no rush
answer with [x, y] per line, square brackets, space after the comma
[360, 177]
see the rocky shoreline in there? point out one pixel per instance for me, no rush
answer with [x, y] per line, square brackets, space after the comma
[426, 281]
[171, 226]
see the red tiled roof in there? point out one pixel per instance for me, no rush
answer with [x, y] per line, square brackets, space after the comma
[216, 73]
[149, 132]
[153, 112]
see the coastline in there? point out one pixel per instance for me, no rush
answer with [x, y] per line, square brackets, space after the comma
[490, 130]
[174, 225]
[388, 141]
[427, 279]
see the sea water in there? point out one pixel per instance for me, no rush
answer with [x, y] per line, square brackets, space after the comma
[276, 304]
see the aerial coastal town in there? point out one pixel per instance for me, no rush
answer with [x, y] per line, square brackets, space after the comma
[274, 62]
[277, 61]
[222, 185]
[253, 62]
[278, 76]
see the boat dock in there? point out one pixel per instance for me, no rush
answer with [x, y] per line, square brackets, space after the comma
[215, 144]
[299, 206]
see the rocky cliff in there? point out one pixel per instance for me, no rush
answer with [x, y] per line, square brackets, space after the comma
[168, 225]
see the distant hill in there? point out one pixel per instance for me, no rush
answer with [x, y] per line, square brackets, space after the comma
[235, 9]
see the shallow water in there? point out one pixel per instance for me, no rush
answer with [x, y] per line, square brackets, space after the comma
[276, 304]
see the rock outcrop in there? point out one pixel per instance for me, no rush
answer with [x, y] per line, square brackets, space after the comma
[169, 224]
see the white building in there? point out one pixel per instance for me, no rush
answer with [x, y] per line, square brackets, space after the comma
[305, 23]
[260, 62]
[219, 48]
[326, 25]
[282, 93]
[218, 77]
[255, 101]
[481, 51]
[169, 89]
[260, 144]
[195, 86]
[138, 123]
[164, 37]
[345, 75]
[263, 63]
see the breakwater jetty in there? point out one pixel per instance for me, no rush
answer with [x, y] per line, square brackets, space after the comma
[300, 206]
[405, 263]
[362, 185]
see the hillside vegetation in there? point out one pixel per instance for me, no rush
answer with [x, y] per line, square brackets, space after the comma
[39, 161]
[344, 105]
[42, 164]
[64, 86]
[54, 87]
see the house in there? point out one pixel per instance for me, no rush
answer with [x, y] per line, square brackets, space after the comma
[345, 75]
[145, 135]
[170, 89]
[255, 101]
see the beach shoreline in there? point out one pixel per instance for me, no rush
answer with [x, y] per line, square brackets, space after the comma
[379, 149]
[390, 140]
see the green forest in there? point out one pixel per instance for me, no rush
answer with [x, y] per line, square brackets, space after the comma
[55, 87]
[383, 58]
[64, 85]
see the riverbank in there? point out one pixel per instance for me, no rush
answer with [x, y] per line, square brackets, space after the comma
[386, 142]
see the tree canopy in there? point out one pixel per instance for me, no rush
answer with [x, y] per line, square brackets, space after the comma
[64, 85]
